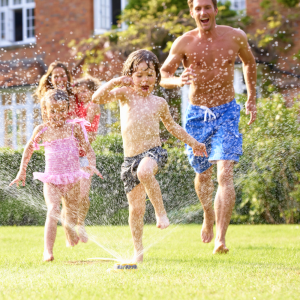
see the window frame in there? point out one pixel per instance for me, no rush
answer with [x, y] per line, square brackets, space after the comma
[98, 28]
[234, 2]
[9, 23]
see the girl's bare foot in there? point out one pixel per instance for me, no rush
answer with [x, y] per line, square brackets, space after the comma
[83, 236]
[162, 222]
[207, 232]
[220, 248]
[48, 256]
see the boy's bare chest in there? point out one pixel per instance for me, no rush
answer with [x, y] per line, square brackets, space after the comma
[140, 112]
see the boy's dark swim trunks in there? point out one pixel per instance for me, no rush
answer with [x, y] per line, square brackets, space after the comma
[130, 165]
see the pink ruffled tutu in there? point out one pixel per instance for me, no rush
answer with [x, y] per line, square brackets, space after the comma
[62, 162]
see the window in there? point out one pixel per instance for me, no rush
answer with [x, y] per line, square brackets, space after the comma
[20, 114]
[106, 14]
[238, 4]
[17, 22]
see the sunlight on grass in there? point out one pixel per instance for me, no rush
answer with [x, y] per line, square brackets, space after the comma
[263, 263]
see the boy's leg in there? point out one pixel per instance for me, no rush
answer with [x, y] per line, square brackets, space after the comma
[146, 175]
[204, 188]
[71, 207]
[137, 205]
[52, 199]
[224, 203]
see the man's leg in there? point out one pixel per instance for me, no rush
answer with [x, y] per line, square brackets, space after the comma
[146, 175]
[204, 188]
[137, 205]
[224, 203]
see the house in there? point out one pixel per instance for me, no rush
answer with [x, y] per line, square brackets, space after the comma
[34, 33]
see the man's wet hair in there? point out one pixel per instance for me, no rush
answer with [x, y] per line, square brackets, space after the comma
[191, 3]
[136, 57]
[57, 95]
[90, 82]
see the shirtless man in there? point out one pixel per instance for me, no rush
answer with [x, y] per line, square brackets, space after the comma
[141, 113]
[208, 54]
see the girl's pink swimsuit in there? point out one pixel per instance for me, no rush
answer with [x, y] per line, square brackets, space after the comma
[62, 159]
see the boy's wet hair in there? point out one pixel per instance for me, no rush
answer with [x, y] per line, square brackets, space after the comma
[136, 57]
[57, 95]
[90, 82]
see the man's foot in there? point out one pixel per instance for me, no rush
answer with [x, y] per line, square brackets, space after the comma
[138, 256]
[220, 248]
[162, 222]
[207, 231]
[83, 236]
[48, 256]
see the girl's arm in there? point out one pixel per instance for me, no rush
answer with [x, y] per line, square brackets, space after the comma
[92, 111]
[90, 154]
[108, 92]
[199, 149]
[27, 153]
[43, 110]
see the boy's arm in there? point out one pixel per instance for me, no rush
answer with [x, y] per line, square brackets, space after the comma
[108, 92]
[199, 149]
[27, 153]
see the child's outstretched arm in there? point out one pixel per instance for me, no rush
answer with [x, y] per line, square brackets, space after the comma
[199, 149]
[27, 153]
[108, 91]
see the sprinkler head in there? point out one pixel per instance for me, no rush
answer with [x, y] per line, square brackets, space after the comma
[123, 266]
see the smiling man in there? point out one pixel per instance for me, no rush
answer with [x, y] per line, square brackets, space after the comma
[208, 54]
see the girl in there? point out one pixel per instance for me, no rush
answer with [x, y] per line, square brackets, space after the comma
[84, 89]
[62, 176]
[57, 77]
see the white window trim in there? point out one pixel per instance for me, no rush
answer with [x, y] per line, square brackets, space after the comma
[97, 22]
[239, 2]
[9, 23]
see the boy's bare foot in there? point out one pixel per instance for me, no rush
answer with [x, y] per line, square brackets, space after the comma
[207, 231]
[48, 256]
[138, 257]
[83, 236]
[72, 237]
[162, 222]
[220, 248]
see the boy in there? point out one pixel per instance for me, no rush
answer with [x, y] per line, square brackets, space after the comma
[141, 112]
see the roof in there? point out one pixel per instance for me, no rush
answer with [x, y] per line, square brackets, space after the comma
[21, 72]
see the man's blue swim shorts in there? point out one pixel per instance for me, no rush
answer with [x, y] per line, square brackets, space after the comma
[218, 128]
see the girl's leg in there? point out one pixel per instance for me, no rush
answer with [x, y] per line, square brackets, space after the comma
[52, 198]
[71, 206]
[146, 174]
[137, 205]
[85, 185]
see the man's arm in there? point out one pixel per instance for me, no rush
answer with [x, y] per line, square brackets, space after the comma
[250, 74]
[108, 92]
[168, 80]
[176, 130]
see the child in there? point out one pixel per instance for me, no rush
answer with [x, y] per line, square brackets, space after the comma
[62, 176]
[84, 89]
[141, 112]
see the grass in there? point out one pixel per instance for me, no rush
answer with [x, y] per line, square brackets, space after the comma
[263, 263]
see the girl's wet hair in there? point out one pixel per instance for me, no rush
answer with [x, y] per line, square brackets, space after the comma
[57, 95]
[136, 57]
[90, 82]
[45, 83]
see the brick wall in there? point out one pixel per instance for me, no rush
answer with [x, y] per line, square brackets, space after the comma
[57, 23]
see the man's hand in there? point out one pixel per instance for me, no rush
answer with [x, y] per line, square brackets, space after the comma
[124, 81]
[251, 108]
[20, 177]
[187, 76]
[199, 150]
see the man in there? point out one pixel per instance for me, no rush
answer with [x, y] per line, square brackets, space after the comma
[208, 54]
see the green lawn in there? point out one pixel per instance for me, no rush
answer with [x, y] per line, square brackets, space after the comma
[263, 263]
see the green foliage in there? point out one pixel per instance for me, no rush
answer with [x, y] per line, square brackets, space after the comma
[268, 174]
[288, 3]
